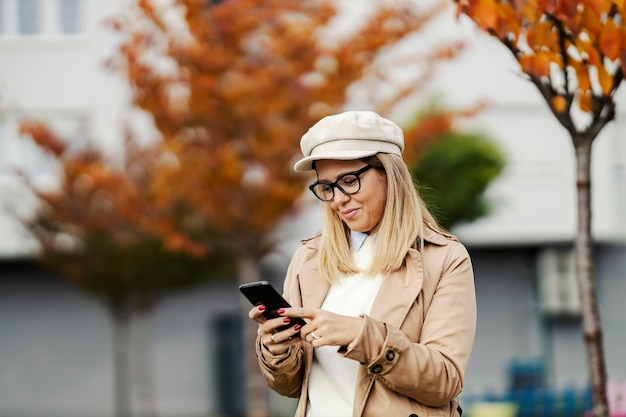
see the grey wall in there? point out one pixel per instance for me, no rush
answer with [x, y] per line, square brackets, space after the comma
[611, 273]
[54, 346]
[511, 327]
[507, 327]
[55, 342]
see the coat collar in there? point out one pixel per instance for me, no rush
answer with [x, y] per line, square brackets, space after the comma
[430, 236]
[397, 293]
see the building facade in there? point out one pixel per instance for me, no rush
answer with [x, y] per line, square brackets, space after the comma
[55, 342]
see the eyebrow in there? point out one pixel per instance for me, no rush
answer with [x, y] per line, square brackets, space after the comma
[340, 175]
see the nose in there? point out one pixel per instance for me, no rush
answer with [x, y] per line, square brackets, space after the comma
[340, 196]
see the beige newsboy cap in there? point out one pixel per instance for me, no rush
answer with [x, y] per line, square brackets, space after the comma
[349, 135]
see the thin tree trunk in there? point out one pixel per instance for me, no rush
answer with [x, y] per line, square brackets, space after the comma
[592, 328]
[142, 360]
[120, 315]
[255, 386]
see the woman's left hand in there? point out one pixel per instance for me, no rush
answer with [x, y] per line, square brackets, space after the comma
[325, 328]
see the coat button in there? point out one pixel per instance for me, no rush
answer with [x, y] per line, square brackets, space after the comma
[390, 355]
[377, 368]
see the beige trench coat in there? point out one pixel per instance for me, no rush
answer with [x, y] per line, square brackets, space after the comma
[414, 345]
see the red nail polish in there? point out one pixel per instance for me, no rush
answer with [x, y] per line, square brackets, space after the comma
[286, 320]
[261, 308]
[280, 311]
[297, 327]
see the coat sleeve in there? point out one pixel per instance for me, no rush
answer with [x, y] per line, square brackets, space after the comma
[284, 373]
[431, 370]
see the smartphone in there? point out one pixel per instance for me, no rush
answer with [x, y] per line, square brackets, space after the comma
[262, 292]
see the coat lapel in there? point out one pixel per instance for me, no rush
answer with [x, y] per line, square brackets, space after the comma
[312, 287]
[399, 291]
[395, 298]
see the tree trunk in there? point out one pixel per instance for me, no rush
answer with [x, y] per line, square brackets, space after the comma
[592, 328]
[255, 386]
[142, 361]
[120, 314]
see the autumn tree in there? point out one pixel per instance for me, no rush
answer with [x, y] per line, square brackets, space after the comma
[231, 87]
[573, 53]
[94, 229]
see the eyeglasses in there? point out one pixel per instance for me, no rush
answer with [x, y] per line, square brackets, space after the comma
[349, 183]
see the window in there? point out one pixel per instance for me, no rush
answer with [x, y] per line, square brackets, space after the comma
[41, 17]
[226, 331]
[69, 16]
[29, 17]
[558, 288]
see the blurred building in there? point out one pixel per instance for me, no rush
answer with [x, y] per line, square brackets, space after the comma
[55, 343]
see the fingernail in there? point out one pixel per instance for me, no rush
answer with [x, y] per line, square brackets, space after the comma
[261, 307]
[297, 327]
[286, 320]
[281, 311]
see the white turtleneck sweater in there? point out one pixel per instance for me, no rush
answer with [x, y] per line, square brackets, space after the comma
[333, 378]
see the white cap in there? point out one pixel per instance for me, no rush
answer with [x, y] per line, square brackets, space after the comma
[349, 135]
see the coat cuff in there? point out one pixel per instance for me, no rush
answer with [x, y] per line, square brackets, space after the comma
[368, 343]
[375, 347]
[274, 362]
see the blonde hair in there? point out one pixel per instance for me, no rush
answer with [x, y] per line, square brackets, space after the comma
[401, 226]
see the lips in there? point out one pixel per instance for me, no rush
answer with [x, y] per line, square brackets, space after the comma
[348, 214]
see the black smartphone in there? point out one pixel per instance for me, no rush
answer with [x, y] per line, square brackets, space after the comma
[262, 292]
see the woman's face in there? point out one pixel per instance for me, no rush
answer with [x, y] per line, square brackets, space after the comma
[363, 210]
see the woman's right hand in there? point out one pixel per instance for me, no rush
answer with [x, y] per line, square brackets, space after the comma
[277, 342]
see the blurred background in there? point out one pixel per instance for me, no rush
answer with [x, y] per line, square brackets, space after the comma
[145, 172]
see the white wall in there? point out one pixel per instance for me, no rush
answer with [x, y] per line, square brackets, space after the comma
[60, 79]
[63, 78]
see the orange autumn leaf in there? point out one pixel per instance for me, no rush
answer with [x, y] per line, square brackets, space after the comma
[542, 64]
[529, 12]
[485, 14]
[559, 103]
[610, 40]
[509, 22]
[527, 64]
[562, 43]
[42, 136]
[606, 80]
[585, 101]
[541, 36]
[588, 20]
[538, 65]
[596, 7]
[582, 76]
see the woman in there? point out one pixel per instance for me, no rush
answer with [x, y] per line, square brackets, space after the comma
[388, 296]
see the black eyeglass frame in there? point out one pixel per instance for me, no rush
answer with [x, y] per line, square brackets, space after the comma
[335, 184]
